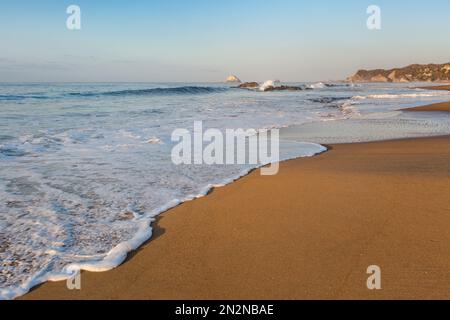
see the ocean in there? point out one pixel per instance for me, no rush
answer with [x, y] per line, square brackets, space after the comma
[86, 167]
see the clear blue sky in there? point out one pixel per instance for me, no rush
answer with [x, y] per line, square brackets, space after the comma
[205, 40]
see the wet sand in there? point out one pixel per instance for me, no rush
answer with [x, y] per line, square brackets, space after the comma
[441, 87]
[443, 107]
[309, 232]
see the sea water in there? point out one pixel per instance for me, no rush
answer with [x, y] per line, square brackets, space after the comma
[85, 168]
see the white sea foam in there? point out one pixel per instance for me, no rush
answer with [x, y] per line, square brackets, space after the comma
[402, 95]
[267, 84]
[348, 108]
[154, 140]
[119, 253]
[318, 85]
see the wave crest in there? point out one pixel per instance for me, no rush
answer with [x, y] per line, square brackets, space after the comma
[191, 90]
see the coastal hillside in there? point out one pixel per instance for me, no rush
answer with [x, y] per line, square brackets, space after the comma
[412, 73]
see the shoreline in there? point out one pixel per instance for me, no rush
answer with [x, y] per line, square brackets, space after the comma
[155, 225]
[438, 107]
[178, 239]
[435, 107]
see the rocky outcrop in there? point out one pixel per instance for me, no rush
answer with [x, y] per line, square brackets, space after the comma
[283, 88]
[412, 73]
[249, 85]
[234, 79]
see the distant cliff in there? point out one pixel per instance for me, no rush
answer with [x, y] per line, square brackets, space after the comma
[412, 73]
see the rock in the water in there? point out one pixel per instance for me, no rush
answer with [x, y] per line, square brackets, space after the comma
[282, 88]
[233, 78]
[249, 85]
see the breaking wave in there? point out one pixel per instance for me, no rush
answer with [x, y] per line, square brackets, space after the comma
[186, 90]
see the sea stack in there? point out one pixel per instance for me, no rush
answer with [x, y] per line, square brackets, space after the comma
[233, 79]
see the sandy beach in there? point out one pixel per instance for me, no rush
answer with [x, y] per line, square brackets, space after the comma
[443, 107]
[224, 151]
[440, 107]
[309, 232]
[440, 87]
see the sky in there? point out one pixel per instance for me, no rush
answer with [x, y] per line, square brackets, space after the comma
[207, 40]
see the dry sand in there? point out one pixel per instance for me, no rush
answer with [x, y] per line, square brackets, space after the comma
[309, 232]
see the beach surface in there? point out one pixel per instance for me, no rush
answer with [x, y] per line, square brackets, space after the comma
[443, 107]
[440, 107]
[440, 87]
[309, 232]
